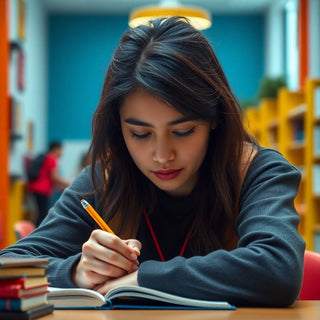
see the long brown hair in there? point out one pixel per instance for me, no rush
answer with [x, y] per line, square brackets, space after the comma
[174, 62]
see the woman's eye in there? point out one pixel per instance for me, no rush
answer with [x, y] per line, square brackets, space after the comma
[183, 133]
[140, 135]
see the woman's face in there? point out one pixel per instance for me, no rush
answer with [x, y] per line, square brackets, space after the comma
[166, 146]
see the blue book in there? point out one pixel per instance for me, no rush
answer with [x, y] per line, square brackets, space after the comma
[22, 304]
[127, 297]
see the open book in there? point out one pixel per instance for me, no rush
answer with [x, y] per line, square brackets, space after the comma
[127, 297]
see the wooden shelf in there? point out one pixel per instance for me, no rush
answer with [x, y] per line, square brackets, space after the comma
[297, 113]
[273, 125]
[297, 145]
[288, 125]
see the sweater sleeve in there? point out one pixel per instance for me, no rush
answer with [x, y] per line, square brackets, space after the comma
[62, 233]
[266, 267]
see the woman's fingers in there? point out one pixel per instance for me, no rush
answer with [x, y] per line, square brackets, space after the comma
[115, 251]
[135, 245]
[105, 257]
[106, 263]
[129, 279]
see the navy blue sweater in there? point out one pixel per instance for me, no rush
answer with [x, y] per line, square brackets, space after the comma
[264, 270]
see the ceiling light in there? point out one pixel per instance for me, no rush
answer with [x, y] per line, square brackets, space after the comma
[198, 17]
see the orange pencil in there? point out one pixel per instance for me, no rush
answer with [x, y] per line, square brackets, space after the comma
[93, 213]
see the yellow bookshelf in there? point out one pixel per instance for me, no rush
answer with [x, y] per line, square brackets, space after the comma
[269, 123]
[292, 141]
[16, 208]
[291, 125]
[262, 122]
[312, 160]
[252, 121]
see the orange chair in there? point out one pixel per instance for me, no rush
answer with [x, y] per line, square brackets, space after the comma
[23, 228]
[310, 289]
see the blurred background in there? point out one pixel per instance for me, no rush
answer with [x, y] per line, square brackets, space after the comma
[55, 54]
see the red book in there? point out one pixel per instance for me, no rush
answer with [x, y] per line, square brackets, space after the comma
[17, 291]
[24, 282]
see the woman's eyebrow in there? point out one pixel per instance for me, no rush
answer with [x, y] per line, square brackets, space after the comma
[137, 122]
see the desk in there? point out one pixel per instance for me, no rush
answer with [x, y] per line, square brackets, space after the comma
[301, 310]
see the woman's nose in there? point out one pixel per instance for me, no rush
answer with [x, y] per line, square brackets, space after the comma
[163, 151]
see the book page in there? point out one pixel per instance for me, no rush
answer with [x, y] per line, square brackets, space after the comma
[147, 293]
[75, 297]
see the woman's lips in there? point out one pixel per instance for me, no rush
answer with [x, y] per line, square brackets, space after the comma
[167, 174]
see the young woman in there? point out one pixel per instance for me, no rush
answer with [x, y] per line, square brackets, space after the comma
[198, 207]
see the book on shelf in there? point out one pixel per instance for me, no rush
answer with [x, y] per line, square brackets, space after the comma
[29, 314]
[298, 130]
[127, 297]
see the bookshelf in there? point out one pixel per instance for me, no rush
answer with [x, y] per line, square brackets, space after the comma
[263, 123]
[16, 206]
[292, 142]
[291, 125]
[312, 160]
[269, 123]
[252, 121]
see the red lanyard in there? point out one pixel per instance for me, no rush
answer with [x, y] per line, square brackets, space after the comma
[156, 240]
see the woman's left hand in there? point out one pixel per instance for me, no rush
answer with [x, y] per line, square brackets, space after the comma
[129, 279]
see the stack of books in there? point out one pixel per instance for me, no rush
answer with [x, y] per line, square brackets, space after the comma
[23, 288]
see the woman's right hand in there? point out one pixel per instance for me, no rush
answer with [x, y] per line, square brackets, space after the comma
[105, 257]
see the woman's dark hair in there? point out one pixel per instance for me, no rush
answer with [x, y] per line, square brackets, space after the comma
[175, 63]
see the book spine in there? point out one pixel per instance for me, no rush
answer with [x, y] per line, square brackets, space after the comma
[12, 281]
[9, 291]
[10, 304]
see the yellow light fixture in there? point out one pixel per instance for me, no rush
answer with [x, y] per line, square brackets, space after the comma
[198, 17]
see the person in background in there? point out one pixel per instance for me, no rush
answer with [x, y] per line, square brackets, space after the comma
[47, 181]
[199, 209]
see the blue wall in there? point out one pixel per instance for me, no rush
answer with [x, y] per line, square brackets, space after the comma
[238, 42]
[80, 49]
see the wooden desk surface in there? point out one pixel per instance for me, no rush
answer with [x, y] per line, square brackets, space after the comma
[301, 310]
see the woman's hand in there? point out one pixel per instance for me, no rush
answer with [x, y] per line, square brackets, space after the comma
[105, 257]
[129, 279]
